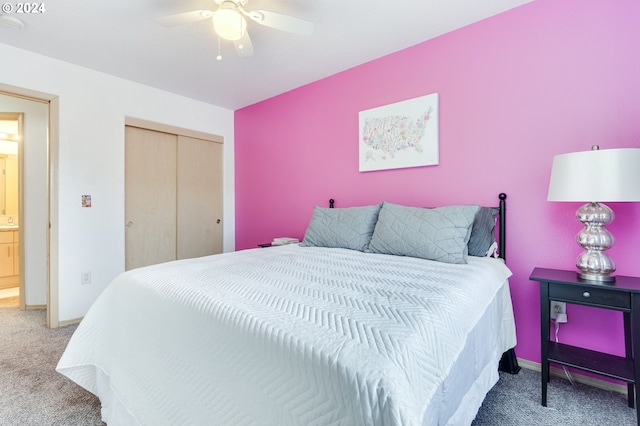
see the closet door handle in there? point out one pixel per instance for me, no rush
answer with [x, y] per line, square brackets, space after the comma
[129, 223]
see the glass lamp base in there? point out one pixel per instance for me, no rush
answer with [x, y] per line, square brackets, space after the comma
[594, 264]
[597, 277]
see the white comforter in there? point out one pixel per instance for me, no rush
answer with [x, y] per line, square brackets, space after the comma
[283, 336]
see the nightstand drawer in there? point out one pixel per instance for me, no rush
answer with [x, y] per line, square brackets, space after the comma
[589, 296]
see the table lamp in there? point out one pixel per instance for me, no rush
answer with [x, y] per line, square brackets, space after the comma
[608, 175]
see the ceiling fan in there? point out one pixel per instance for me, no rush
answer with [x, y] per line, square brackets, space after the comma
[229, 22]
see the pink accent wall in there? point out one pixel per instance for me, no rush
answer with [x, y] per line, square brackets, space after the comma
[549, 77]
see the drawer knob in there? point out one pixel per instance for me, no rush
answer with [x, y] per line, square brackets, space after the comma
[586, 295]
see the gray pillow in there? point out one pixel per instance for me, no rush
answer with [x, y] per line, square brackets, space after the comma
[482, 231]
[348, 227]
[440, 234]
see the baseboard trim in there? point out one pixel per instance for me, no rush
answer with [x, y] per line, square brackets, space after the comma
[34, 307]
[69, 322]
[9, 282]
[577, 377]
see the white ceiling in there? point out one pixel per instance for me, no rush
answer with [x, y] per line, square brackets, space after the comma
[123, 38]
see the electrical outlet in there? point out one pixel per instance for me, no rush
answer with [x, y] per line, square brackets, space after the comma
[558, 310]
[85, 277]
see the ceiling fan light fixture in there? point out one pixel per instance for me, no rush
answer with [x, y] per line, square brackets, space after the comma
[11, 22]
[229, 24]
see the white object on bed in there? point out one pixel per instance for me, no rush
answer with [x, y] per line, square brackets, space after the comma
[284, 240]
[295, 335]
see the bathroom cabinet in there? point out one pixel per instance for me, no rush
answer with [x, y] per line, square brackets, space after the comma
[9, 261]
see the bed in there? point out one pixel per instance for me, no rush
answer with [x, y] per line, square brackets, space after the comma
[353, 326]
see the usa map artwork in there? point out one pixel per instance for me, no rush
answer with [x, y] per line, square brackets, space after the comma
[400, 135]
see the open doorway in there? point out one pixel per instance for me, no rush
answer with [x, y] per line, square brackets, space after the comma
[11, 135]
[34, 222]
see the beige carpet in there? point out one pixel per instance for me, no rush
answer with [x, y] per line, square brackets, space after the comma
[32, 393]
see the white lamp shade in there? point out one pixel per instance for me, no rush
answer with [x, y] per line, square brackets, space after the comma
[229, 24]
[607, 175]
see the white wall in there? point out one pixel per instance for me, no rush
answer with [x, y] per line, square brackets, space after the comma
[92, 111]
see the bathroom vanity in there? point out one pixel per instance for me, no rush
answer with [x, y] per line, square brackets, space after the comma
[9, 260]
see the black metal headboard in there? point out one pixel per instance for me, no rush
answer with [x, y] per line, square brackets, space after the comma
[502, 224]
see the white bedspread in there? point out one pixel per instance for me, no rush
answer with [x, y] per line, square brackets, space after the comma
[285, 336]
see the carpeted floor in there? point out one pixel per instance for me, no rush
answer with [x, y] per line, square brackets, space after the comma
[32, 393]
[515, 401]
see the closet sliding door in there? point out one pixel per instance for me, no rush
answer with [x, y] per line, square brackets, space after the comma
[199, 195]
[173, 197]
[150, 197]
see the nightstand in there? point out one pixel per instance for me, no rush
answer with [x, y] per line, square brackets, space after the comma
[621, 295]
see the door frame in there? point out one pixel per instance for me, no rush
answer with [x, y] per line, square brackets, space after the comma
[167, 128]
[52, 268]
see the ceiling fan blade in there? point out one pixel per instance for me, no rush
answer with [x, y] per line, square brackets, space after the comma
[244, 46]
[184, 18]
[281, 22]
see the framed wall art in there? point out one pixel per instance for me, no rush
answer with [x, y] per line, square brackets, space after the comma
[399, 135]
